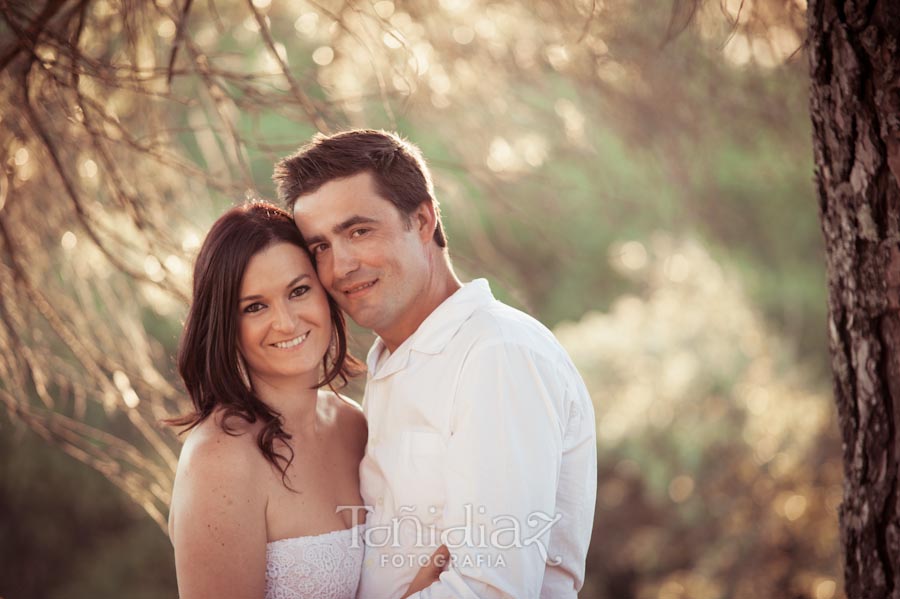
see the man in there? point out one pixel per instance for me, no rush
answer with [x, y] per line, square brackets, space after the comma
[481, 431]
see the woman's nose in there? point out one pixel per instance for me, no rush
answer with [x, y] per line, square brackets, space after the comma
[284, 320]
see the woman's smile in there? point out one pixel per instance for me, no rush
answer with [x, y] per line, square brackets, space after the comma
[292, 343]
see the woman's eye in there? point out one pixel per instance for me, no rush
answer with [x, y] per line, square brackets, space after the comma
[254, 307]
[298, 291]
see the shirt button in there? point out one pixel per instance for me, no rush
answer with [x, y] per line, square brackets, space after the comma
[380, 502]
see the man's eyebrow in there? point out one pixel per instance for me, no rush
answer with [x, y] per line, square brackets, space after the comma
[341, 227]
[293, 282]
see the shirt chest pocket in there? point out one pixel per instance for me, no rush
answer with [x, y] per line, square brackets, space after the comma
[419, 474]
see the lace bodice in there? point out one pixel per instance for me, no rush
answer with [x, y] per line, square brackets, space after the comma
[325, 566]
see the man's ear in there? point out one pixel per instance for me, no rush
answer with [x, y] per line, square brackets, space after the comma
[424, 221]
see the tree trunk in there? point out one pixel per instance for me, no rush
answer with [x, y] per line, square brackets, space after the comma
[854, 50]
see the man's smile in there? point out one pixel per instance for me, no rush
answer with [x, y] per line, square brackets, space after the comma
[358, 289]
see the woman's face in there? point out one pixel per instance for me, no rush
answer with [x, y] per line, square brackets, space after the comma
[284, 325]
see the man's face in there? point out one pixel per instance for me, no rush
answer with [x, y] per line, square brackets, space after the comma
[368, 256]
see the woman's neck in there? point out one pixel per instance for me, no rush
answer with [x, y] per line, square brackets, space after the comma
[295, 399]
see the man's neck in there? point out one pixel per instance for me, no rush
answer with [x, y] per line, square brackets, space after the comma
[439, 287]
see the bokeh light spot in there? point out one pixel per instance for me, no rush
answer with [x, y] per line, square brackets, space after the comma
[633, 255]
[306, 23]
[191, 241]
[384, 8]
[392, 40]
[88, 169]
[22, 156]
[463, 34]
[323, 56]
[825, 589]
[794, 507]
[166, 28]
[681, 488]
[154, 269]
[69, 240]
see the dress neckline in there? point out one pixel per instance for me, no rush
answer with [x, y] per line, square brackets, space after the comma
[316, 537]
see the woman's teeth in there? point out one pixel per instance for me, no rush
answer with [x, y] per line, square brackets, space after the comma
[292, 342]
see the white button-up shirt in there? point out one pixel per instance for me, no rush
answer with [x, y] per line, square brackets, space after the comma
[481, 437]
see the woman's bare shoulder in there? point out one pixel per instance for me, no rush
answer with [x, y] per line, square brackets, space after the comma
[215, 465]
[230, 454]
[349, 416]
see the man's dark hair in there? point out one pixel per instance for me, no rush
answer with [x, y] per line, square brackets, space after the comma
[400, 172]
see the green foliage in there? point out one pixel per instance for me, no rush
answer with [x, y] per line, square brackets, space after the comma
[719, 467]
[648, 195]
[68, 532]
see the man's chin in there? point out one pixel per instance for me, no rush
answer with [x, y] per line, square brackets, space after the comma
[363, 317]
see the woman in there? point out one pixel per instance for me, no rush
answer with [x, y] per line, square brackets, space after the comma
[271, 455]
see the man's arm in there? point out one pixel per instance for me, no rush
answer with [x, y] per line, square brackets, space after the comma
[502, 467]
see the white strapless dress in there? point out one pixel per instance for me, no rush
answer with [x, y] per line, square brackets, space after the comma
[325, 566]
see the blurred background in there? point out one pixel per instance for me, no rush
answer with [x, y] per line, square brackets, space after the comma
[636, 174]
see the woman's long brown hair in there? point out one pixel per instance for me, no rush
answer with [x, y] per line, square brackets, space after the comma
[208, 352]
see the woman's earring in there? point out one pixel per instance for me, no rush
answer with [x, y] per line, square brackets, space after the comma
[242, 371]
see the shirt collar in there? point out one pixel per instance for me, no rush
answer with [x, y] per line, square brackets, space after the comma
[435, 331]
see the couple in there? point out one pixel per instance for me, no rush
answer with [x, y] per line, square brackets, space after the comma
[476, 439]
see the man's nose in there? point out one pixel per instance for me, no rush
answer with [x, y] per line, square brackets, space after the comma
[345, 262]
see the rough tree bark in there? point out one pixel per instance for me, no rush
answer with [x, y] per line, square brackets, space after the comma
[855, 106]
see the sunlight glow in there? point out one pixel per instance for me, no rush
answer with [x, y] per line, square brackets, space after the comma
[825, 589]
[323, 55]
[677, 268]
[175, 265]
[572, 118]
[632, 255]
[191, 241]
[794, 507]
[738, 8]
[88, 169]
[463, 34]
[123, 384]
[558, 56]
[500, 155]
[455, 5]
[681, 488]
[166, 28]
[392, 39]
[154, 269]
[69, 240]
[250, 24]
[306, 23]
[384, 9]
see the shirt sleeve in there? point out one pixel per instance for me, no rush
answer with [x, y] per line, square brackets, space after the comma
[502, 471]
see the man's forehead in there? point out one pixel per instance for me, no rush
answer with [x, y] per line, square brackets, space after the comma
[314, 211]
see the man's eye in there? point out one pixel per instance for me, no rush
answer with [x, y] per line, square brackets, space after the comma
[358, 232]
[254, 307]
[298, 291]
[319, 248]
